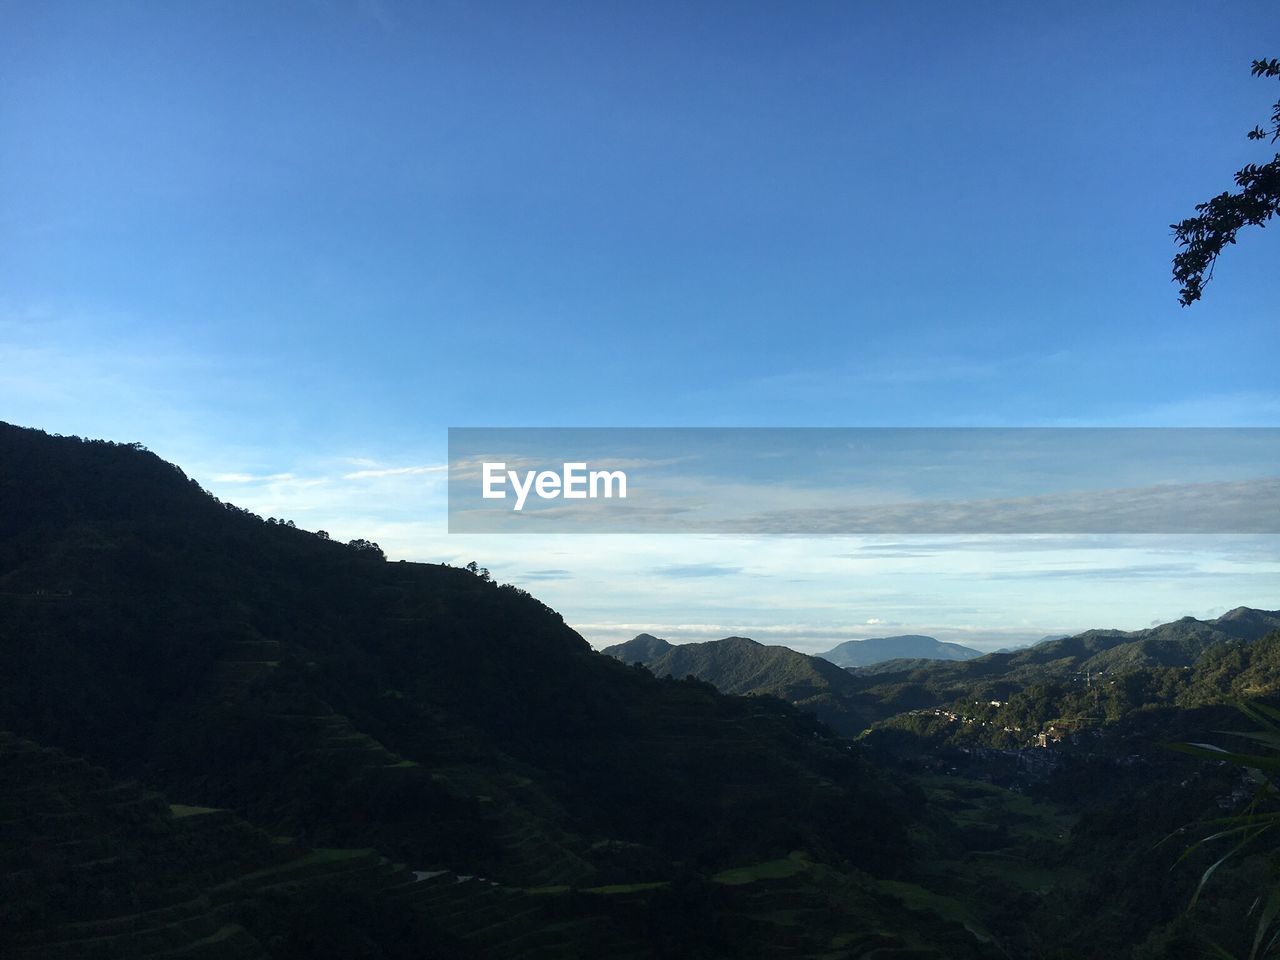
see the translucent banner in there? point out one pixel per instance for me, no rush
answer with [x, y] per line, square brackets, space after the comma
[829, 481]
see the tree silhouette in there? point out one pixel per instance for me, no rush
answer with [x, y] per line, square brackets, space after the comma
[367, 548]
[1217, 221]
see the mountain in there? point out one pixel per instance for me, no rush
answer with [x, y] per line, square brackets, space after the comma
[865, 653]
[894, 687]
[641, 649]
[1174, 644]
[738, 665]
[851, 699]
[229, 737]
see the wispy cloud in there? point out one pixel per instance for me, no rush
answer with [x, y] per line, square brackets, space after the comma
[553, 574]
[1244, 506]
[263, 478]
[395, 472]
[1149, 571]
[685, 571]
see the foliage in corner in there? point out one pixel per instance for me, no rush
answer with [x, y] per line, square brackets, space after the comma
[1217, 221]
[1243, 831]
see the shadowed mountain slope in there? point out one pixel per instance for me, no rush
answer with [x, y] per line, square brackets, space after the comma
[738, 665]
[640, 649]
[344, 703]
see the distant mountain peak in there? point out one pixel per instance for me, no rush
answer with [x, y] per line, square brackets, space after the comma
[1247, 613]
[913, 646]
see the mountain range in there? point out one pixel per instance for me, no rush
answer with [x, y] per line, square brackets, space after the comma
[1174, 644]
[850, 699]
[230, 737]
[227, 738]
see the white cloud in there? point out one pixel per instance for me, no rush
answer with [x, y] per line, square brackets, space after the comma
[395, 472]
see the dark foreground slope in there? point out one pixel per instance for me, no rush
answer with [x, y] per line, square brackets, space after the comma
[738, 665]
[403, 717]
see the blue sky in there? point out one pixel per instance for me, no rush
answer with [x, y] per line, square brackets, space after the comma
[287, 245]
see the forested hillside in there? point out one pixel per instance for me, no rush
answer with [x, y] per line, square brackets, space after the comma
[738, 665]
[400, 721]
[228, 737]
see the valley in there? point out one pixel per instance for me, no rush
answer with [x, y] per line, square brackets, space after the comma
[228, 737]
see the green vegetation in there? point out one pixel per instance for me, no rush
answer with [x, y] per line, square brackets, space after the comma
[1075, 829]
[1243, 833]
[393, 721]
[1047, 713]
[1117, 669]
[737, 665]
[1218, 221]
[769, 870]
[293, 748]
